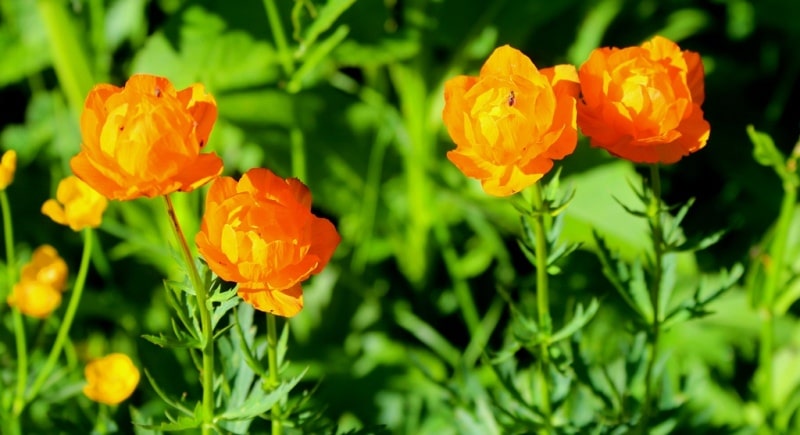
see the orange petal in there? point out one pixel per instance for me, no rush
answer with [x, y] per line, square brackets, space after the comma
[286, 303]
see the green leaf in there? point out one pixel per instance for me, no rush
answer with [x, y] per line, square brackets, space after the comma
[177, 405]
[579, 319]
[173, 343]
[764, 150]
[324, 21]
[259, 402]
[314, 58]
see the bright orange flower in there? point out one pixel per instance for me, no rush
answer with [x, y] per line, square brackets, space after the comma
[38, 292]
[145, 139]
[260, 233]
[643, 103]
[8, 165]
[511, 121]
[111, 379]
[76, 205]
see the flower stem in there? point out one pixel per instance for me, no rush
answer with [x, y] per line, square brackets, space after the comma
[274, 379]
[777, 256]
[63, 330]
[207, 375]
[542, 301]
[19, 324]
[655, 332]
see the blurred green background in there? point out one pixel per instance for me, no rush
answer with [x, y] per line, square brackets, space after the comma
[352, 107]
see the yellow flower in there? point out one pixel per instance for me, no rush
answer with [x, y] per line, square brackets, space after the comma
[38, 292]
[76, 205]
[34, 298]
[8, 165]
[111, 379]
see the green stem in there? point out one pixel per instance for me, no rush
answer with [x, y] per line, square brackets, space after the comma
[542, 300]
[777, 258]
[655, 332]
[207, 375]
[274, 379]
[460, 286]
[298, 151]
[63, 330]
[276, 26]
[69, 59]
[19, 324]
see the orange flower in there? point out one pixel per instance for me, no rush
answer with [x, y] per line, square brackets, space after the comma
[145, 139]
[76, 205]
[643, 103]
[512, 121]
[260, 233]
[8, 165]
[38, 292]
[111, 379]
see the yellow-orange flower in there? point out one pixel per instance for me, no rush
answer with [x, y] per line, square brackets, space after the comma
[111, 379]
[643, 103]
[38, 292]
[76, 205]
[511, 121]
[144, 139]
[260, 233]
[8, 166]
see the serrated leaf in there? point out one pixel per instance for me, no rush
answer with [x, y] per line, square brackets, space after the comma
[259, 403]
[173, 343]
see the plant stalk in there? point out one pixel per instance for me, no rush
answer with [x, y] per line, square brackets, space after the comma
[207, 375]
[274, 378]
[19, 324]
[63, 330]
[542, 301]
[655, 289]
[777, 256]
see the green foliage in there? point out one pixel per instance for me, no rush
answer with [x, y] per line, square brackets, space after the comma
[426, 320]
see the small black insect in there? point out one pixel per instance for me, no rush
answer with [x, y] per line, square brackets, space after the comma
[511, 99]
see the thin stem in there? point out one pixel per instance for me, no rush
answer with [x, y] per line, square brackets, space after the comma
[63, 330]
[655, 287]
[275, 25]
[274, 379]
[19, 324]
[542, 300]
[207, 375]
[773, 273]
[298, 150]
[466, 303]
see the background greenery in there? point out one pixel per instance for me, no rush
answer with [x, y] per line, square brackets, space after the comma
[352, 107]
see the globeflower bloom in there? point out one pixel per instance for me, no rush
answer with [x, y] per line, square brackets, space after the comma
[38, 292]
[111, 379]
[77, 205]
[144, 139]
[260, 233]
[643, 103]
[511, 121]
[8, 166]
